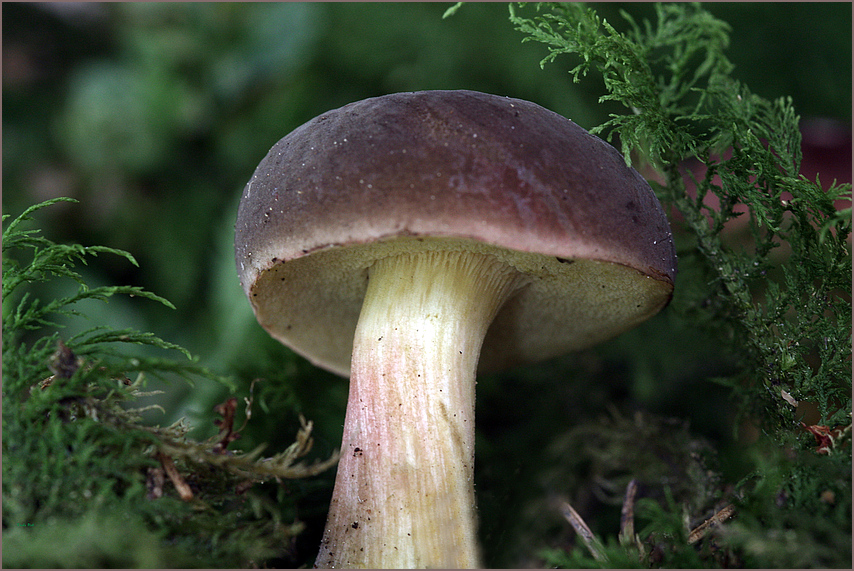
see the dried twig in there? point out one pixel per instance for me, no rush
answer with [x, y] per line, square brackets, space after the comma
[183, 488]
[582, 530]
[701, 530]
[627, 524]
[627, 515]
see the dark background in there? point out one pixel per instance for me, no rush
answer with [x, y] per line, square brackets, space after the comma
[154, 115]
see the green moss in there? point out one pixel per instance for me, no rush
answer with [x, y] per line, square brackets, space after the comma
[85, 482]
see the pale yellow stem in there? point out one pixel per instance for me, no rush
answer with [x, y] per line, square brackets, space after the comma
[404, 493]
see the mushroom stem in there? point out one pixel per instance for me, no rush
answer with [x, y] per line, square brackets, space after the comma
[404, 492]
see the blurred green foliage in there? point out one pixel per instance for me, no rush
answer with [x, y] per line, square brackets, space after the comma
[154, 115]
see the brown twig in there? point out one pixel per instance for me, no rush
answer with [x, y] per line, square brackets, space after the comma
[627, 515]
[183, 488]
[627, 524]
[582, 530]
[701, 530]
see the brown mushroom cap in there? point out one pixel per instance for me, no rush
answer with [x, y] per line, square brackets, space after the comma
[459, 170]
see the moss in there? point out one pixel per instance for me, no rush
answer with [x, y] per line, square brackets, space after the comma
[85, 482]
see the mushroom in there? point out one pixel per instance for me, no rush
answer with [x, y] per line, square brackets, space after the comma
[409, 241]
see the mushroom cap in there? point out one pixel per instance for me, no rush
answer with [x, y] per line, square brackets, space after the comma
[458, 170]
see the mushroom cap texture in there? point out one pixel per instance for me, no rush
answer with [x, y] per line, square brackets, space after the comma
[457, 169]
